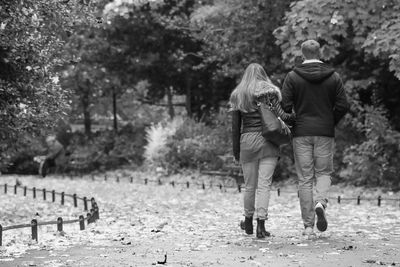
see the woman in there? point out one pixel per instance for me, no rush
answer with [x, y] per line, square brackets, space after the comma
[257, 156]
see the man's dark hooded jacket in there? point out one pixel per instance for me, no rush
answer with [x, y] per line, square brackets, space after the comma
[315, 92]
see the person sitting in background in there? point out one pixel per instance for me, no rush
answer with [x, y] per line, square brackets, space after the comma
[55, 156]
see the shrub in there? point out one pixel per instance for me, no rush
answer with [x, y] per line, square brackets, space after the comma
[376, 159]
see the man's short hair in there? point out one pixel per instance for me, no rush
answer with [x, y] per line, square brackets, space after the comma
[310, 49]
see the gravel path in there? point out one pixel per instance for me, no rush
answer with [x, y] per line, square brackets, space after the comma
[140, 224]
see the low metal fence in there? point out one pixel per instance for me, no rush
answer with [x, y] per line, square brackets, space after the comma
[91, 216]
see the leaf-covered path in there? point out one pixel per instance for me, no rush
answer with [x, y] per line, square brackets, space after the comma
[140, 224]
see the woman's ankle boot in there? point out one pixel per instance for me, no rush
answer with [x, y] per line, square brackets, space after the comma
[261, 232]
[248, 225]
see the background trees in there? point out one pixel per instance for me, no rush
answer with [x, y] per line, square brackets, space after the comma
[361, 40]
[130, 57]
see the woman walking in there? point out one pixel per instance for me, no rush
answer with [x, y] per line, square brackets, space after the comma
[257, 156]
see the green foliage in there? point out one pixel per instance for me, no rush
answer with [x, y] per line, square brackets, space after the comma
[360, 39]
[199, 146]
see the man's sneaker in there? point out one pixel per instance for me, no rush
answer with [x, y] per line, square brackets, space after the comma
[322, 224]
[308, 231]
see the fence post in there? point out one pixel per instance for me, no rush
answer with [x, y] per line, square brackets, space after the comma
[25, 191]
[1, 235]
[34, 192]
[338, 199]
[59, 224]
[298, 193]
[358, 200]
[15, 189]
[96, 212]
[92, 202]
[279, 192]
[131, 179]
[89, 218]
[85, 203]
[53, 195]
[187, 184]
[44, 193]
[5, 188]
[75, 200]
[34, 229]
[62, 198]
[203, 186]
[145, 181]
[81, 222]
[379, 201]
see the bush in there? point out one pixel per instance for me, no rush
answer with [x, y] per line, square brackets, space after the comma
[376, 159]
[186, 143]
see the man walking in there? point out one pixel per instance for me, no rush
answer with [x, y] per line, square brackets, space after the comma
[315, 91]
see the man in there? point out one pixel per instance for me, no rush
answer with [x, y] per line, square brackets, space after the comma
[55, 156]
[315, 92]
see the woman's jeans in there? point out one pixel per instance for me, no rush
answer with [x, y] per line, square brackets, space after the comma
[313, 158]
[257, 179]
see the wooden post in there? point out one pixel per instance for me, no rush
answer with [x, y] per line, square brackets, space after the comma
[239, 188]
[62, 198]
[15, 189]
[44, 193]
[131, 179]
[145, 181]
[358, 200]
[203, 186]
[81, 222]
[1, 235]
[59, 224]
[187, 184]
[53, 195]
[279, 192]
[5, 188]
[220, 187]
[85, 204]
[25, 189]
[89, 218]
[75, 200]
[379, 201]
[34, 192]
[34, 229]
[92, 202]
[338, 199]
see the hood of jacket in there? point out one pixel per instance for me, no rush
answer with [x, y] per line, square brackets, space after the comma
[267, 88]
[315, 72]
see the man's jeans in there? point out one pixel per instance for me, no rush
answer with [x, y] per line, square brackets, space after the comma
[258, 178]
[313, 158]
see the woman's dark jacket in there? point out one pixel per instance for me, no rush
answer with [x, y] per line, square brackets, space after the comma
[244, 122]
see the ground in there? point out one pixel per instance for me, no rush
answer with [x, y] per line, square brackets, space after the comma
[142, 224]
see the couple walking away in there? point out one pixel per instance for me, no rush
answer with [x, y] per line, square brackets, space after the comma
[312, 101]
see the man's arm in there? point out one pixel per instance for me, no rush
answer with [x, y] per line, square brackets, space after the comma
[341, 106]
[287, 94]
[236, 126]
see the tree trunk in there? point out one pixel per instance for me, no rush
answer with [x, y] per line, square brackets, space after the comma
[115, 110]
[171, 110]
[86, 112]
[189, 96]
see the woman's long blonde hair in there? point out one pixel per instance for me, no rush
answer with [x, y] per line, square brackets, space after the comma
[242, 98]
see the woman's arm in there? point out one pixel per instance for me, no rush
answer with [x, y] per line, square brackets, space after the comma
[286, 117]
[236, 126]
